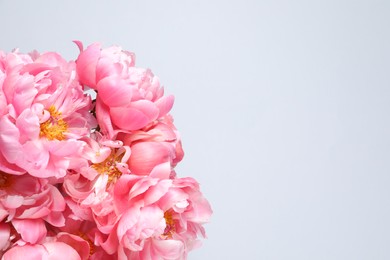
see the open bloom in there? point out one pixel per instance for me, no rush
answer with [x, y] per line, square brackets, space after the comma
[160, 218]
[129, 98]
[82, 236]
[44, 115]
[91, 187]
[28, 203]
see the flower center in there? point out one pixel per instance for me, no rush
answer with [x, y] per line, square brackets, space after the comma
[108, 166]
[55, 127]
[170, 225]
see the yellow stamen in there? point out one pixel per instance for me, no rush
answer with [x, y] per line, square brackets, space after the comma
[55, 127]
[170, 225]
[108, 166]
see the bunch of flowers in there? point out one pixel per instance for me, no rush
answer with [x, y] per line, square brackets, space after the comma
[91, 176]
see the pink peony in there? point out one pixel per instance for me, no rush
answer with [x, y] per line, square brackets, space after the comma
[28, 197]
[129, 98]
[157, 144]
[28, 202]
[45, 115]
[160, 219]
[90, 190]
[83, 236]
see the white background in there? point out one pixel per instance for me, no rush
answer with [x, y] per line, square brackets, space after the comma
[283, 107]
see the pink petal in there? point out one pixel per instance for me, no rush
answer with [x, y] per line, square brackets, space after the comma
[31, 230]
[34, 252]
[86, 65]
[28, 125]
[111, 244]
[56, 219]
[114, 91]
[35, 212]
[165, 104]
[12, 201]
[58, 201]
[4, 235]
[60, 251]
[76, 242]
[104, 118]
[79, 45]
[64, 148]
[154, 193]
[147, 107]
[106, 67]
[128, 220]
[128, 118]
[147, 155]
[20, 91]
[168, 249]
[161, 171]
[9, 141]
[7, 167]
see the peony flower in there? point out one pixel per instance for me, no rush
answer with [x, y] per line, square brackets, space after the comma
[82, 235]
[157, 144]
[160, 218]
[91, 189]
[27, 197]
[46, 114]
[129, 98]
[28, 203]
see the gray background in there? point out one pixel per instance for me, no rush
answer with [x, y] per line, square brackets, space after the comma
[283, 108]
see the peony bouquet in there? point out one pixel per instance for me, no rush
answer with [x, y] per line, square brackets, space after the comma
[87, 157]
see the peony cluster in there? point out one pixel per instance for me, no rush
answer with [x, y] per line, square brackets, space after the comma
[91, 176]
